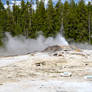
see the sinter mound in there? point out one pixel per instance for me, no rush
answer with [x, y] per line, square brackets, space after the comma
[59, 48]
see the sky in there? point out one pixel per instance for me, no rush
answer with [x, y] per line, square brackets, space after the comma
[46, 0]
[34, 0]
[18, 2]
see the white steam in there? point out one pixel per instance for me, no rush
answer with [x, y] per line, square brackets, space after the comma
[85, 46]
[21, 45]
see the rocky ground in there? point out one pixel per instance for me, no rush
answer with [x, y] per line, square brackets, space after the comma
[56, 69]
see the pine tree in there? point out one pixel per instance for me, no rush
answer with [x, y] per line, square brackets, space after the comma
[41, 17]
[9, 19]
[1, 6]
[16, 18]
[1, 21]
[24, 15]
[32, 22]
[90, 21]
[71, 22]
[65, 18]
[50, 19]
[59, 16]
[29, 19]
[82, 16]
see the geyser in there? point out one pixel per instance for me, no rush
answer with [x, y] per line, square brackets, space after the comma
[21, 45]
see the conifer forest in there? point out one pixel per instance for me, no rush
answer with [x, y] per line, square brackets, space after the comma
[73, 19]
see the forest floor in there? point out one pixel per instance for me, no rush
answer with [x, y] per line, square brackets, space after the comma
[42, 72]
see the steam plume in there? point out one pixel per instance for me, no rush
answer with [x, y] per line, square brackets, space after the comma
[21, 45]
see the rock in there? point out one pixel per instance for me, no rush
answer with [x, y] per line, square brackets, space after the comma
[1, 83]
[57, 54]
[86, 64]
[40, 63]
[66, 74]
[60, 54]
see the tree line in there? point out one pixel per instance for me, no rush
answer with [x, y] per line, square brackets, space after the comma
[74, 19]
